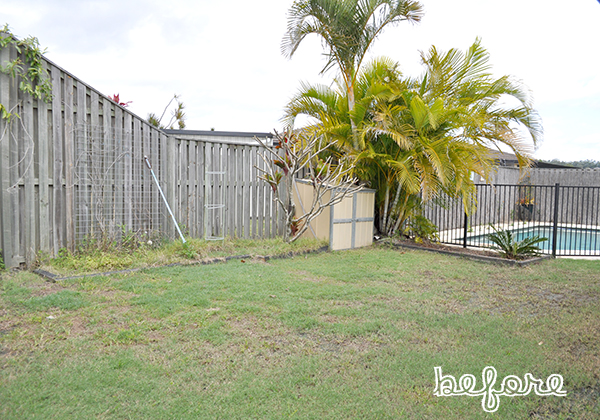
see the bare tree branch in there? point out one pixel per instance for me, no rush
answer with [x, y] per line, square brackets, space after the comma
[331, 180]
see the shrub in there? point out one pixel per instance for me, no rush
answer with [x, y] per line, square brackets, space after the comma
[423, 229]
[510, 248]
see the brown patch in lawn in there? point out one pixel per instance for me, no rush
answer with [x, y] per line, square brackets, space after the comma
[540, 301]
[339, 344]
[258, 260]
[332, 319]
[580, 403]
[501, 295]
[44, 288]
[361, 344]
[579, 343]
[250, 326]
[267, 341]
[345, 304]
[5, 324]
[155, 336]
[310, 277]
[113, 294]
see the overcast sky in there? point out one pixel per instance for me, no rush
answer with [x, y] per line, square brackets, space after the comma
[224, 58]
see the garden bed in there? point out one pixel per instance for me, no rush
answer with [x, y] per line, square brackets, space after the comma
[53, 277]
[470, 253]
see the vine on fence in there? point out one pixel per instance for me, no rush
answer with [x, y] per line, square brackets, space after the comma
[34, 77]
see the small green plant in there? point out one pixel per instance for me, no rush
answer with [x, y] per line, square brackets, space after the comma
[423, 229]
[131, 241]
[188, 251]
[510, 248]
[2, 266]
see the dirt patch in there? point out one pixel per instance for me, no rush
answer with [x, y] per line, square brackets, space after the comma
[268, 341]
[7, 326]
[333, 344]
[44, 289]
[310, 277]
[331, 319]
[580, 403]
[78, 328]
[524, 302]
[427, 273]
[155, 336]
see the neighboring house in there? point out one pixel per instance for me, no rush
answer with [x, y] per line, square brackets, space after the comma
[509, 160]
[540, 173]
[229, 137]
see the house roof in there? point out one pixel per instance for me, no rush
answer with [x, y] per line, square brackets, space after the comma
[218, 133]
[510, 160]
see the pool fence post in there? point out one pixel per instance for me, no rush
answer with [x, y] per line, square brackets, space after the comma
[465, 229]
[555, 223]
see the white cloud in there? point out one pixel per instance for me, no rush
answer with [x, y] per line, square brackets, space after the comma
[224, 58]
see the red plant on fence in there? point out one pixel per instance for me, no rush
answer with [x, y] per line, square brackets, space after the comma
[118, 100]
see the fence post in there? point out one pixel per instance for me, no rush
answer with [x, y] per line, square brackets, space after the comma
[555, 221]
[465, 229]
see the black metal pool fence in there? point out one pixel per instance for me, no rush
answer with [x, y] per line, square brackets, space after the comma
[569, 217]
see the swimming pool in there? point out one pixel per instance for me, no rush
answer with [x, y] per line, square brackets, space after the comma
[567, 238]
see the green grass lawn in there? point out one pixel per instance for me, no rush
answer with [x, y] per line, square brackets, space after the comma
[341, 335]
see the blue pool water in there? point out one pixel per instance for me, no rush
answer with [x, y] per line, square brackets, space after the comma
[571, 239]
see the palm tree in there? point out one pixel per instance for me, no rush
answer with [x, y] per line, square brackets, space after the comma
[348, 28]
[327, 107]
[424, 135]
[487, 111]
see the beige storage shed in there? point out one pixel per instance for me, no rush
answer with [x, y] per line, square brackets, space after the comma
[347, 225]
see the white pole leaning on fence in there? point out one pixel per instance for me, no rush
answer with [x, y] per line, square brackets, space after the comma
[164, 199]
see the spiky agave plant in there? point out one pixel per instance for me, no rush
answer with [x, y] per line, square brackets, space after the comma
[510, 248]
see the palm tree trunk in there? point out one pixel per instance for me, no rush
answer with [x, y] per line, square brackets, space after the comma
[385, 209]
[351, 106]
[400, 218]
[393, 206]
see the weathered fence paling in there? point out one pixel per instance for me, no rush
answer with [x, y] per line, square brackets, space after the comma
[72, 170]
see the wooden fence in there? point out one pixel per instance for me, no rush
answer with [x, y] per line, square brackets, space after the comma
[73, 169]
[204, 174]
[547, 176]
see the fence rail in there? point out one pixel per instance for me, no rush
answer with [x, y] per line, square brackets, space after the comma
[567, 216]
[72, 169]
